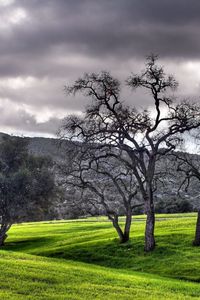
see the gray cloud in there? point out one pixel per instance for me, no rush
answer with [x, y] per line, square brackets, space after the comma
[48, 43]
[12, 122]
[107, 28]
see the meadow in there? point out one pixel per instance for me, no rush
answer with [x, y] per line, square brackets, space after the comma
[82, 259]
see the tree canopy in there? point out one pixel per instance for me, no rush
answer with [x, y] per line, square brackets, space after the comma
[26, 184]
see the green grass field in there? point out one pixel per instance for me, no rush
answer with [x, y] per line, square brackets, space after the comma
[83, 260]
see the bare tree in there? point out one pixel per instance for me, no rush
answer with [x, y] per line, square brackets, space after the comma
[139, 136]
[189, 166]
[105, 186]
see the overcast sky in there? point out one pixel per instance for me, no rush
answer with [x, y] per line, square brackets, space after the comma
[47, 44]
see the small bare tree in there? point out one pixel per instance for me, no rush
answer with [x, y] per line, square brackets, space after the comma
[139, 136]
[189, 166]
[105, 186]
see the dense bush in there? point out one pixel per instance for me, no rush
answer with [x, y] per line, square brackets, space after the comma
[174, 206]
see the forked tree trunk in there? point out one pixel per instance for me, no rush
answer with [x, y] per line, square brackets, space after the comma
[150, 223]
[196, 241]
[123, 235]
[3, 233]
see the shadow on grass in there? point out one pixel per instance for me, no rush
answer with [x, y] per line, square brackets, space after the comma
[111, 253]
[174, 255]
[27, 244]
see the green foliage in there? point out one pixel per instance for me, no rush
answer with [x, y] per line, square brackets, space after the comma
[81, 260]
[13, 154]
[176, 205]
[26, 183]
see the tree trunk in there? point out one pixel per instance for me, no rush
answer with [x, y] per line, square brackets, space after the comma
[123, 235]
[118, 229]
[196, 241]
[150, 223]
[3, 235]
[127, 226]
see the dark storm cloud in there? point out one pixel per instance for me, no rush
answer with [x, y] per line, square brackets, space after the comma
[56, 41]
[107, 28]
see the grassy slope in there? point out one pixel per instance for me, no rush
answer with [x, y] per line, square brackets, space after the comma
[62, 274]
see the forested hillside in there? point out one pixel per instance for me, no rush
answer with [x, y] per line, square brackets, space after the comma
[168, 196]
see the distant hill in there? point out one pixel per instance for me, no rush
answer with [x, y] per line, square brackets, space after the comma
[167, 197]
[43, 146]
